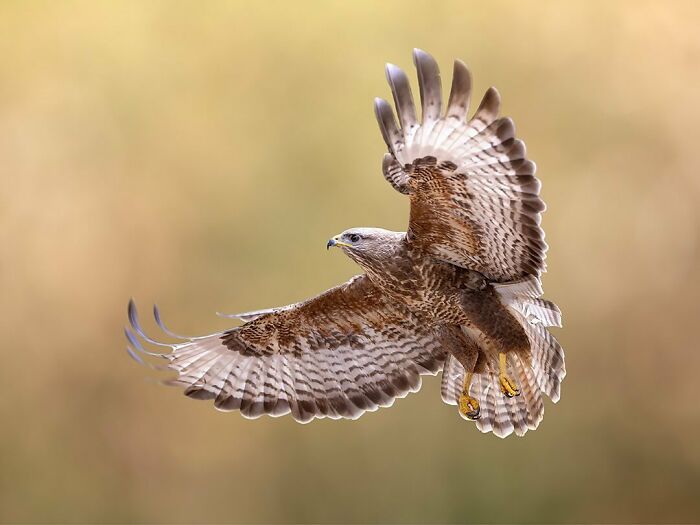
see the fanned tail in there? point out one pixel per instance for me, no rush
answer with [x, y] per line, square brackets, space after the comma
[499, 414]
[543, 372]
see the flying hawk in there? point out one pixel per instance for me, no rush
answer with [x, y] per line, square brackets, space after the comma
[459, 292]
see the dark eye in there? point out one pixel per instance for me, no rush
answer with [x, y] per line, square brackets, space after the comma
[353, 237]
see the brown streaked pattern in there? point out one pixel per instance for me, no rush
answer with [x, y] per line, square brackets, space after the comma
[459, 290]
[340, 354]
[395, 175]
[482, 210]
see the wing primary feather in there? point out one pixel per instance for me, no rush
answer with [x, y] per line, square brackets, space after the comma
[387, 124]
[489, 107]
[136, 344]
[161, 325]
[460, 93]
[134, 320]
[132, 353]
[429, 85]
[249, 316]
[401, 90]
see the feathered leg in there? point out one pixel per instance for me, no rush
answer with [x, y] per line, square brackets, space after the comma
[501, 333]
[466, 351]
[468, 405]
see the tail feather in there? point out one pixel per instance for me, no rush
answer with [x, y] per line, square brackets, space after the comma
[503, 424]
[483, 389]
[452, 379]
[531, 394]
[529, 287]
[547, 360]
[524, 297]
[535, 315]
[545, 311]
[518, 405]
[505, 415]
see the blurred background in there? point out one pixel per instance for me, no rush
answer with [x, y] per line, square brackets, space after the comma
[199, 155]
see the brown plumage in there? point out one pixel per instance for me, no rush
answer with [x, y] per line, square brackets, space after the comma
[458, 292]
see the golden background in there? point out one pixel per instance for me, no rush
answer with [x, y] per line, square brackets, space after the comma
[199, 155]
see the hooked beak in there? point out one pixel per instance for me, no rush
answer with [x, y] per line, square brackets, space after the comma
[335, 242]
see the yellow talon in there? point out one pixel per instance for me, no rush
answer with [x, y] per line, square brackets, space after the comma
[508, 386]
[468, 406]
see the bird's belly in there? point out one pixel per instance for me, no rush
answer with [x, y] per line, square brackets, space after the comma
[435, 306]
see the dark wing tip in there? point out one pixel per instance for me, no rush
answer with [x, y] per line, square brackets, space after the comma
[161, 325]
[387, 122]
[419, 55]
[489, 107]
[462, 77]
[133, 314]
[401, 91]
[460, 92]
[135, 356]
[134, 321]
[392, 70]
[429, 84]
[492, 98]
[461, 65]
[136, 344]
[131, 308]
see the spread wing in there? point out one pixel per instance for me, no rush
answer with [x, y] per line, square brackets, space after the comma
[337, 355]
[474, 196]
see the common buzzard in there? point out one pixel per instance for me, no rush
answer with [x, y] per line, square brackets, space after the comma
[459, 292]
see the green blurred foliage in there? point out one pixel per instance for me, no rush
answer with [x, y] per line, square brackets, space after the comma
[199, 155]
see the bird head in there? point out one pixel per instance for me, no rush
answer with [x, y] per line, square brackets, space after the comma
[365, 245]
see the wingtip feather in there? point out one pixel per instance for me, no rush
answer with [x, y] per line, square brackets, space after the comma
[161, 325]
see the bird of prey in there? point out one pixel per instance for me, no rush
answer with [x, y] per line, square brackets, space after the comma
[458, 292]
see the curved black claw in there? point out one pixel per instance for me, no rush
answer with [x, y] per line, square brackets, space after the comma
[510, 394]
